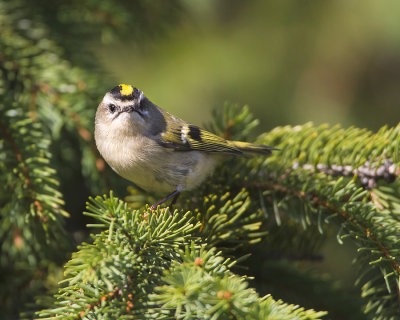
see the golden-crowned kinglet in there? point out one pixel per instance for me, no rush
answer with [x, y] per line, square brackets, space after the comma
[154, 149]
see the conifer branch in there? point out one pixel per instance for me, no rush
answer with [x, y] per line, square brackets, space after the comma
[333, 209]
[118, 273]
[354, 176]
[196, 289]
[321, 174]
[369, 176]
[24, 168]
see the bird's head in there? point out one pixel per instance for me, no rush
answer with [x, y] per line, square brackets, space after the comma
[125, 110]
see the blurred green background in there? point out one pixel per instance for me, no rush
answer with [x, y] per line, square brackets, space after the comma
[290, 61]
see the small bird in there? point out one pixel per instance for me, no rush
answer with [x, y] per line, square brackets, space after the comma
[156, 150]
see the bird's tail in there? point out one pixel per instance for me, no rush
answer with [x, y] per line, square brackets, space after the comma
[247, 147]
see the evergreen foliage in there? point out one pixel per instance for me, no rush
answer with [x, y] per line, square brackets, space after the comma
[115, 277]
[350, 177]
[171, 264]
[31, 228]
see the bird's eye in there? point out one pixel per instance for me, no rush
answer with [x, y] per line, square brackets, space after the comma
[112, 108]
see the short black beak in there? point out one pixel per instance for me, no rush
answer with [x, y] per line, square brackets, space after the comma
[134, 108]
[128, 109]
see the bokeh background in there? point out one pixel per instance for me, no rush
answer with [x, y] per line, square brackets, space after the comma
[291, 62]
[335, 62]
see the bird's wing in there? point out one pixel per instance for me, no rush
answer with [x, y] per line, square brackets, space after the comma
[185, 137]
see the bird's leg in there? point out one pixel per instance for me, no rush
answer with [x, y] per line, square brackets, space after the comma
[174, 201]
[174, 194]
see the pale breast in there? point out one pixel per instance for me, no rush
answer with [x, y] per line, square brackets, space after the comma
[155, 168]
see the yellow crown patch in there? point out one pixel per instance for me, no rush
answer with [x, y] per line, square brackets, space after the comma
[126, 89]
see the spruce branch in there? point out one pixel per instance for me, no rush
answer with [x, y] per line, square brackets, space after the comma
[320, 175]
[368, 175]
[24, 169]
[347, 177]
[26, 159]
[116, 276]
[197, 288]
[56, 94]
[318, 203]
[53, 93]
[229, 220]
[362, 199]
[31, 209]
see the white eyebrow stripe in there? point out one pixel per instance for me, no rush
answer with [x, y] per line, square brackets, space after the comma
[108, 99]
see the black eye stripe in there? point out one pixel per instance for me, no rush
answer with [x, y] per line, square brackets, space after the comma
[112, 108]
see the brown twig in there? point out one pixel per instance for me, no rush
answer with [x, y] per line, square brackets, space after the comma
[108, 296]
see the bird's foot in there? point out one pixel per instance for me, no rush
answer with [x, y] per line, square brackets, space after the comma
[174, 194]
